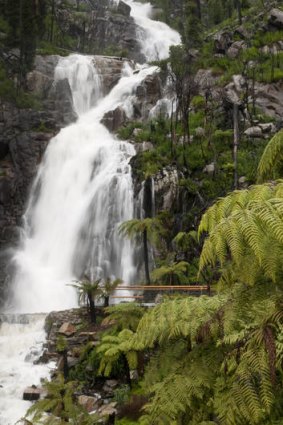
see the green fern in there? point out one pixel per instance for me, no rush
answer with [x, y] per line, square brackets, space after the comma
[272, 156]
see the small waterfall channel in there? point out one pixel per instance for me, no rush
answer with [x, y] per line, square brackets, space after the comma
[82, 192]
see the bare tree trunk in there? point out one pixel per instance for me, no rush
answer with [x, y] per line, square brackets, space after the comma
[173, 131]
[146, 261]
[52, 21]
[239, 10]
[236, 142]
[106, 301]
[198, 4]
[91, 308]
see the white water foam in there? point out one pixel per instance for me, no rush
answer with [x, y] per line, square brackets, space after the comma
[82, 192]
[155, 37]
[20, 345]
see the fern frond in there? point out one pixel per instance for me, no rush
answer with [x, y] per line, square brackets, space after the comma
[271, 156]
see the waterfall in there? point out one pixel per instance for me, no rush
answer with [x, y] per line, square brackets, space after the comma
[82, 192]
[155, 37]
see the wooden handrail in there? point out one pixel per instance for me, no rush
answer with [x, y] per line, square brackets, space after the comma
[163, 288]
[127, 296]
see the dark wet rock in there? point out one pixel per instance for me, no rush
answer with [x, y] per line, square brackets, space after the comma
[32, 393]
[222, 41]
[114, 119]
[124, 9]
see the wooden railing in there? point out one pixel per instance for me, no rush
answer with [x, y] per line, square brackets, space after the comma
[159, 288]
[163, 287]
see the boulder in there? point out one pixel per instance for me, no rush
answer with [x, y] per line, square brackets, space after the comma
[88, 403]
[268, 127]
[112, 383]
[242, 32]
[269, 99]
[253, 132]
[275, 18]
[166, 188]
[32, 393]
[242, 180]
[222, 41]
[91, 336]
[235, 49]
[147, 95]
[109, 386]
[67, 329]
[39, 83]
[143, 147]
[209, 168]
[108, 409]
[114, 119]
[124, 9]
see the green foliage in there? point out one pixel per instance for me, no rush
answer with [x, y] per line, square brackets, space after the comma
[134, 229]
[214, 357]
[113, 348]
[124, 316]
[241, 228]
[61, 344]
[89, 361]
[272, 157]
[125, 421]
[87, 289]
[122, 394]
[10, 93]
[171, 274]
[60, 403]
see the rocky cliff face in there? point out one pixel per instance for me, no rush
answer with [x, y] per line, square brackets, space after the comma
[98, 27]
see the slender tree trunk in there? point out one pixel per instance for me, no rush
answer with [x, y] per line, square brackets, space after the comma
[21, 67]
[173, 131]
[236, 142]
[198, 9]
[253, 92]
[111, 419]
[91, 308]
[65, 365]
[146, 261]
[52, 21]
[106, 301]
[127, 371]
[239, 10]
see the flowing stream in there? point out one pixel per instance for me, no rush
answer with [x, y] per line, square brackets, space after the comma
[82, 192]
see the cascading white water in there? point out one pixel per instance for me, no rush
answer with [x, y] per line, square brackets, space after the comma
[82, 192]
[155, 37]
[20, 345]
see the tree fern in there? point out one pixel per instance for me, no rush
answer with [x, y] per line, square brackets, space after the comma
[124, 316]
[271, 157]
[247, 234]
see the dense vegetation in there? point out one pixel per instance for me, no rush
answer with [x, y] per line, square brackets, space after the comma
[199, 360]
